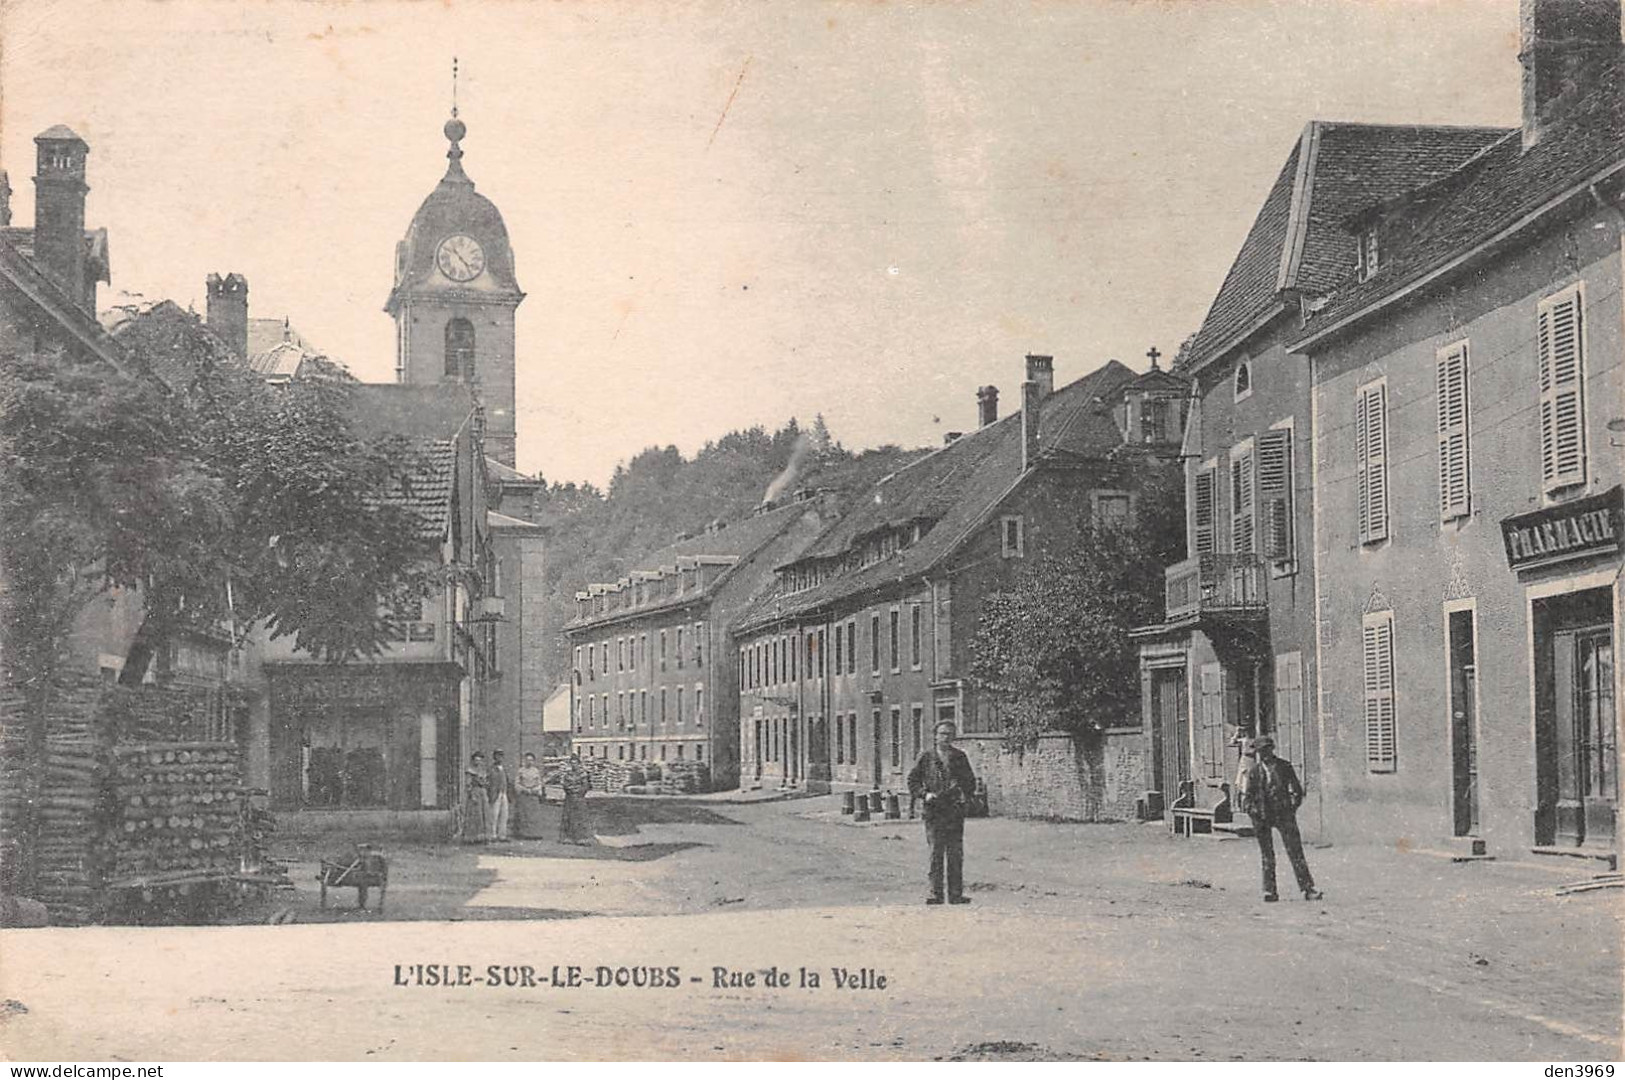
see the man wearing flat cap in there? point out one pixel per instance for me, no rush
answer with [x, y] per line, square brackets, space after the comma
[1271, 794]
[943, 779]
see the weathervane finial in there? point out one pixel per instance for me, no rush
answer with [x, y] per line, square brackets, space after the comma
[454, 86]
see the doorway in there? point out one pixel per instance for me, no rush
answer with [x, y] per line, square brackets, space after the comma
[1463, 723]
[875, 724]
[1577, 756]
[1171, 743]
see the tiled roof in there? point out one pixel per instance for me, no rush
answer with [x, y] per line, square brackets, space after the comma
[167, 339]
[507, 473]
[735, 543]
[954, 488]
[58, 131]
[426, 411]
[1300, 239]
[427, 490]
[266, 334]
[21, 237]
[432, 417]
[1489, 194]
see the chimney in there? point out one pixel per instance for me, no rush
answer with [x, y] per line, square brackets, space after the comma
[1032, 394]
[5, 199]
[987, 405]
[228, 311]
[59, 209]
[1041, 370]
[1565, 44]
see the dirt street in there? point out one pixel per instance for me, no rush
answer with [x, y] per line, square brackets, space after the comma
[1114, 941]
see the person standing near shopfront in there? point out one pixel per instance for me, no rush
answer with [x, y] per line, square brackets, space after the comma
[943, 779]
[500, 800]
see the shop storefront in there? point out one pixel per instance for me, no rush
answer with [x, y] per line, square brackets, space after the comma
[1567, 558]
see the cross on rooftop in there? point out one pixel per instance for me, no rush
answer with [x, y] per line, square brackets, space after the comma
[1154, 353]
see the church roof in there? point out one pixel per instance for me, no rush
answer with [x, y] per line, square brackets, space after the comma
[452, 208]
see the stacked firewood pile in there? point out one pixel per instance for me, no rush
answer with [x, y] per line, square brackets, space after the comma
[66, 789]
[681, 778]
[176, 813]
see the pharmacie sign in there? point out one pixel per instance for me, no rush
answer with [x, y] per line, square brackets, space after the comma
[1573, 530]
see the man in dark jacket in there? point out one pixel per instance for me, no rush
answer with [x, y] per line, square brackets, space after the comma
[1271, 793]
[943, 779]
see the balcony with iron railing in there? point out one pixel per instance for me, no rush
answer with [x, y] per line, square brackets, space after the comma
[1234, 585]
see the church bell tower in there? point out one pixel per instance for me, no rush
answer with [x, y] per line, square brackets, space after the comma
[455, 296]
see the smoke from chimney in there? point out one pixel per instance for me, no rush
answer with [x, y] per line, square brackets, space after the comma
[798, 454]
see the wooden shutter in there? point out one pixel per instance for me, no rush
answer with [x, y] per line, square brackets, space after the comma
[1210, 714]
[1454, 479]
[1380, 753]
[1241, 502]
[1289, 728]
[1371, 457]
[1275, 492]
[1202, 515]
[1562, 391]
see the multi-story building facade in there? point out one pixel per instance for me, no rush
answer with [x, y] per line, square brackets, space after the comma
[653, 678]
[1236, 650]
[1467, 455]
[392, 733]
[865, 644]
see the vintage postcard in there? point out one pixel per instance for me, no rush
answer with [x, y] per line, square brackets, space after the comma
[1010, 531]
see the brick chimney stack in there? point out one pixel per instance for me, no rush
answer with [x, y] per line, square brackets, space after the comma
[59, 209]
[228, 311]
[987, 405]
[1041, 370]
[5, 199]
[1032, 396]
[1565, 44]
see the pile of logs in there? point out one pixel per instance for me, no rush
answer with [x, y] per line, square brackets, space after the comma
[67, 791]
[176, 813]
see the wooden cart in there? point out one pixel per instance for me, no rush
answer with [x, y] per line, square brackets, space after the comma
[368, 869]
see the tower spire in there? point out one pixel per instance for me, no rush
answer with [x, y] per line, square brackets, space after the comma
[455, 129]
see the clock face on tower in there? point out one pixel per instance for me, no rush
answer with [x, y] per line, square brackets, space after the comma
[460, 257]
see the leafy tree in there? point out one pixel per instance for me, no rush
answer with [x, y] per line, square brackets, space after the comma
[1053, 646]
[219, 499]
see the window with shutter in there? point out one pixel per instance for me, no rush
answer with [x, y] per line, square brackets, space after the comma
[1275, 493]
[1455, 494]
[1202, 512]
[1561, 345]
[1242, 510]
[1210, 717]
[1378, 641]
[1289, 728]
[1371, 461]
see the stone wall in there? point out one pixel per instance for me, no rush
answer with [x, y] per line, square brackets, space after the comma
[1097, 779]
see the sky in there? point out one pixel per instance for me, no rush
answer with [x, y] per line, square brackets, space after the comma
[729, 213]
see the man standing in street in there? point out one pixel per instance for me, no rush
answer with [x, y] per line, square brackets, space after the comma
[1271, 794]
[499, 797]
[943, 779]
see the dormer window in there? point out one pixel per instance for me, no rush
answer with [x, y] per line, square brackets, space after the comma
[1369, 258]
[1244, 380]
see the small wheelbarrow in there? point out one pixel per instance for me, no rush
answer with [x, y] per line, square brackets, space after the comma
[368, 869]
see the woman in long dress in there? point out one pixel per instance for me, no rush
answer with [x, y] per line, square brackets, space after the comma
[476, 806]
[574, 827]
[527, 813]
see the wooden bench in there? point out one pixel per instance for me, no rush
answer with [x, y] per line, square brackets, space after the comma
[1186, 818]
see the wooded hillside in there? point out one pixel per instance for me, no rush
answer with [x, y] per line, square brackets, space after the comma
[598, 536]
